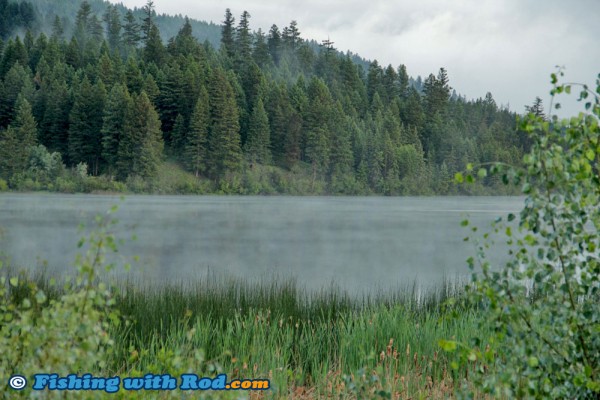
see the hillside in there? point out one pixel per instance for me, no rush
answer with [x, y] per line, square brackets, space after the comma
[98, 92]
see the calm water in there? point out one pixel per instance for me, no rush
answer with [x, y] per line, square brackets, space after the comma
[353, 242]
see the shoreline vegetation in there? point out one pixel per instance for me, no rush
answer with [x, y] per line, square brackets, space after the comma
[309, 344]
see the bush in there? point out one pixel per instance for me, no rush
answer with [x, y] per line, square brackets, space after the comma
[544, 304]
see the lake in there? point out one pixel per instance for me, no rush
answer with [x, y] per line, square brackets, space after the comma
[356, 243]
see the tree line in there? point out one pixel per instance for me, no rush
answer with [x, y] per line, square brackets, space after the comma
[114, 100]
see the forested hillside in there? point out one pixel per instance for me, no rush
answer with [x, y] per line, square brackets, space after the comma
[102, 102]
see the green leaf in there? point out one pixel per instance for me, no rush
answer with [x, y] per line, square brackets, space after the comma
[14, 281]
[464, 222]
[590, 154]
[482, 173]
[458, 178]
[511, 217]
[447, 345]
[533, 362]
[469, 167]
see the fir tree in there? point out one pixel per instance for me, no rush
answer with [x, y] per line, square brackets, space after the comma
[86, 120]
[113, 27]
[227, 35]
[257, 147]
[195, 152]
[224, 138]
[117, 111]
[131, 30]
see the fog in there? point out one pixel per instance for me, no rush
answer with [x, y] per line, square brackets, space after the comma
[356, 243]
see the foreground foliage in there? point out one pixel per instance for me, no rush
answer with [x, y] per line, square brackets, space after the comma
[544, 305]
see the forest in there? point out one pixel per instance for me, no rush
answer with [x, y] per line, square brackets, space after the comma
[100, 101]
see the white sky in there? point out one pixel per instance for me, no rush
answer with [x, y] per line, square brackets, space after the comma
[507, 47]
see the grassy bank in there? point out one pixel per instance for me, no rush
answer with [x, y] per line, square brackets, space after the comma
[309, 344]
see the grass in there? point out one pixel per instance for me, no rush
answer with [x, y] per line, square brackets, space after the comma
[310, 344]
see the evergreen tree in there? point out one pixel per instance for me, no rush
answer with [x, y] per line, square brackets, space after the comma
[227, 35]
[11, 160]
[274, 43]
[537, 108]
[113, 27]
[257, 147]
[58, 30]
[86, 120]
[25, 124]
[117, 111]
[291, 36]
[243, 41]
[140, 148]
[148, 21]
[131, 30]
[261, 51]
[224, 138]
[178, 135]
[154, 51]
[196, 141]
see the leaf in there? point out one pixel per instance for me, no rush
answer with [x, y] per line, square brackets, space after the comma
[511, 217]
[533, 362]
[464, 222]
[469, 167]
[590, 154]
[458, 178]
[14, 281]
[447, 345]
[482, 173]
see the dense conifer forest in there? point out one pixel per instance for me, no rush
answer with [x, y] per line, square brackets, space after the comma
[96, 97]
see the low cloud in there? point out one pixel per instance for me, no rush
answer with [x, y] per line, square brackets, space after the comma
[508, 48]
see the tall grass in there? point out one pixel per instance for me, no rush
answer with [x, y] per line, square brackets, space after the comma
[307, 342]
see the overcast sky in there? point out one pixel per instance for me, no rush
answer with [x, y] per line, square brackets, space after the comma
[507, 47]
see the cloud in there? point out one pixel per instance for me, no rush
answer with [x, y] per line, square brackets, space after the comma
[508, 47]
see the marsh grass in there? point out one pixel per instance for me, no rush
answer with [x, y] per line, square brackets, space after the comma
[311, 344]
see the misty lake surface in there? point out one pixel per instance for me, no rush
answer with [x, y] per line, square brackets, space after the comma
[355, 243]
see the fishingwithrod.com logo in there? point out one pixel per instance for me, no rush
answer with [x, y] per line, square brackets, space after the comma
[88, 382]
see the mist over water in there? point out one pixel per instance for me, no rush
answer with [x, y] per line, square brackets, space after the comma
[355, 243]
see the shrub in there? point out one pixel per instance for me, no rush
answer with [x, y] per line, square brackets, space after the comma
[544, 304]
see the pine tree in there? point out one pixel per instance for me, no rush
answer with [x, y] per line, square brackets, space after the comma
[178, 135]
[227, 37]
[537, 108]
[55, 122]
[140, 148]
[243, 43]
[154, 51]
[261, 50]
[113, 27]
[196, 141]
[151, 150]
[117, 111]
[131, 30]
[10, 153]
[291, 36]
[148, 21]
[86, 120]
[224, 138]
[58, 30]
[17, 140]
[25, 124]
[274, 43]
[257, 147]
